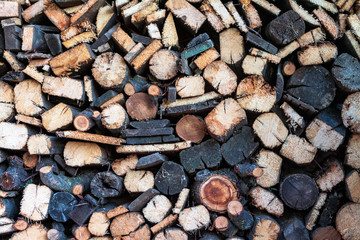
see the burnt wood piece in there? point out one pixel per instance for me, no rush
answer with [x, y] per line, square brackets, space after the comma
[257, 41]
[299, 191]
[302, 106]
[199, 157]
[13, 76]
[242, 218]
[239, 147]
[104, 38]
[171, 94]
[223, 225]
[147, 132]
[346, 72]
[13, 37]
[329, 210]
[82, 212]
[326, 131]
[285, 28]
[158, 123]
[170, 138]
[141, 39]
[15, 175]
[171, 178]
[106, 184]
[61, 205]
[68, 3]
[320, 93]
[136, 84]
[143, 140]
[9, 207]
[53, 42]
[280, 83]
[61, 162]
[195, 50]
[104, 98]
[151, 160]
[246, 170]
[138, 203]
[294, 228]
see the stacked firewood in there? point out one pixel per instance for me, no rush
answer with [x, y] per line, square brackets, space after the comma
[175, 119]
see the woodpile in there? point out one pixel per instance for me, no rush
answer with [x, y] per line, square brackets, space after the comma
[180, 119]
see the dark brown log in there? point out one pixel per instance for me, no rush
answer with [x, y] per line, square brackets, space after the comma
[352, 185]
[173, 181]
[350, 111]
[191, 128]
[224, 226]
[293, 228]
[82, 212]
[264, 199]
[299, 191]
[171, 92]
[216, 192]
[242, 219]
[347, 221]
[61, 162]
[285, 28]
[158, 123]
[141, 107]
[326, 233]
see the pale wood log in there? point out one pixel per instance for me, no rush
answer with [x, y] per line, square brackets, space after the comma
[181, 201]
[190, 86]
[88, 11]
[206, 58]
[352, 43]
[84, 37]
[123, 165]
[352, 154]
[126, 223]
[254, 65]
[98, 224]
[268, 56]
[347, 221]
[169, 34]
[116, 211]
[133, 7]
[35, 202]
[271, 8]
[238, 19]
[293, 117]
[171, 233]
[138, 18]
[64, 87]
[34, 231]
[328, 22]
[303, 13]
[333, 175]
[9, 9]
[31, 71]
[156, 17]
[76, 29]
[311, 37]
[7, 102]
[137, 182]
[232, 48]
[42, 144]
[162, 65]
[78, 154]
[14, 136]
[298, 150]
[350, 112]
[105, 19]
[317, 54]
[194, 218]
[81, 232]
[59, 117]
[222, 12]
[122, 40]
[211, 16]
[91, 137]
[57, 16]
[271, 164]
[165, 147]
[157, 209]
[314, 213]
[114, 118]
[352, 185]
[153, 31]
[140, 61]
[264, 199]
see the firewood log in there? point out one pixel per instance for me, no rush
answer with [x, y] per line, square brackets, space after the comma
[14, 136]
[14, 63]
[151, 160]
[162, 65]
[323, 233]
[88, 11]
[231, 46]
[141, 60]
[7, 103]
[57, 16]
[191, 128]
[34, 13]
[35, 202]
[347, 221]
[144, 101]
[106, 184]
[123, 165]
[78, 154]
[288, 68]
[299, 191]
[265, 227]
[349, 112]
[333, 175]
[169, 34]
[114, 118]
[136, 84]
[171, 233]
[190, 86]
[246, 170]
[90, 137]
[60, 87]
[294, 228]
[35, 230]
[352, 182]
[238, 19]
[270, 163]
[174, 181]
[59, 117]
[116, 211]
[98, 224]
[14, 177]
[328, 22]
[314, 213]
[264, 199]
[224, 226]
[136, 182]
[260, 43]
[42, 144]
[252, 14]
[9, 207]
[320, 53]
[194, 218]
[80, 232]
[61, 205]
[345, 73]
[157, 209]
[29, 120]
[241, 218]
[20, 224]
[105, 19]
[126, 223]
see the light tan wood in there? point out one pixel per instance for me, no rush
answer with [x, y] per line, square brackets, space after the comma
[14, 136]
[294, 118]
[79, 154]
[98, 224]
[190, 86]
[222, 12]
[331, 7]
[166, 222]
[139, 181]
[211, 16]
[141, 233]
[252, 15]
[238, 19]
[224, 118]
[72, 10]
[194, 218]
[162, 65]
[221, 77]
[88, 11]
[114, 118]
[35, 202]
[157, 209]
[305, 15]
[116, 211]
[123, 40]
[34, 231]
[153, 31]
[171, 233]
[266, 200]
[298, 150]
[7, 102]
[91, 137]
[156, 17]
[350, 112]
[352, 185]
[328, 22]
[81, 232]
[254, 94]
[126, 223]
[270, 163]
[181, 201]
[59, 117]
[164, 147]
[141, 60]
[268, 56]
[254, 65]
[41, 144]
[349, 36]
[317, 54]
[20, 224]
[31, 71]
[9, 9]
[232, 48]
[15, 64]
[333, 175]
[206, 58]
[123, 165]
[34, 13]
[311, 37]
[347, 6]
[76, 29]
[120, 98]
[314, 213]
[352, 154]
[138, 18]
[269, 7]
[133, 7]
[169, 34]
[354, 23]
[136, 50]
[288, 49]
[57, 16]
[348, 221]
[104, 16]
[183, 10]
[84, 37]
[64, 87]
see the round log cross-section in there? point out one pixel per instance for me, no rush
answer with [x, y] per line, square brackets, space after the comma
[216, 192]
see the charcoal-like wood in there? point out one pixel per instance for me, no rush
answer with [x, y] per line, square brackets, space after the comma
[224, 226]
[106, 184]
[82, 212]
[143, 140]
[61, 205]
[174, 181]
[149, 132]
[345, 72]
[241, 218]
[294, 228]
[15, 175]
[151, 160]
[259, 42]
[12, 37]
[329, 210]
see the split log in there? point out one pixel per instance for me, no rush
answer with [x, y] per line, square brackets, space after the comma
[157, 209]
[347, 221]
[87, 11]
[260, 43]
[221, 77]
[106, 184]
[328, 22]
[285, 28]
[126, 223]
[254, 94]
[13, 36]
[132, 54]
[212, 17]
[116, 211]
[269, 7]
[270, 129]
[42, 144]
[231, 46]
[105, 19]
[162, 65]
[14, 136]
[32, 104]
[352, 183]
[64, 87]
[81, 232]
[171, 233]
[136, 182]
[57, 16]
[20, 224]
[59, 117]
[296, 121]
[345, 72]
[122, 40]
[35, 202]
[98, 224]
[78, 154]
[123, 165]
[114, 118]
[37, 231]
[239, 147]
[252, 14]
[320, 93]
[191, 17]
[314, 213]
[141, 60]
[294, 228]
[298, 150]
[90, 137]
[264, 199]
[7, 102]
[265, 55]
[81, 55]
[349, 112]
[168, 221]
[216, 192]
[241, 218]
[29, 120]
[140, 202]
[34, 73]
[90, 90]
[61, 205]
[303, 13]
[34, 13]
[181, 201]
[171, 178]
[224, 226]
[14, 63]
[169, 34]
[191, 128]
[324, 233]
[153, 31]
[141, 107]
[333, 175]
[206, 58]
[317, 54]
[351, 43]
[158, 123]
[254, 65]
[82, 212]
[264, 227]
[194, 218]
[190, 86]
[149, 132]
[151, 160]
[270, 163]
[299, 191]
[238, 19]
[224, 119]
[199, 157]
[59, 182]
